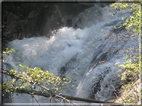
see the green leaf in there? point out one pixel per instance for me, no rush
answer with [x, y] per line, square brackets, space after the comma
[13, 71]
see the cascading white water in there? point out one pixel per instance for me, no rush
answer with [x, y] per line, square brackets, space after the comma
[74, 49]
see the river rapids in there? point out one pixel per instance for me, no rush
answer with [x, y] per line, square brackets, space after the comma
[89, 54]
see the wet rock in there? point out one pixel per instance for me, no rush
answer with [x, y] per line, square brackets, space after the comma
[21, 19]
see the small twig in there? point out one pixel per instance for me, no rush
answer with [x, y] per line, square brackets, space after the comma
[116, 93]
[50, 98]
[34, 96]
[48, 90]
[35, 99]
[63, 98]
[6, 72]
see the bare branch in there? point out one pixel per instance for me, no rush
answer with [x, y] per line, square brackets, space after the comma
[35, 99]
[45, 94]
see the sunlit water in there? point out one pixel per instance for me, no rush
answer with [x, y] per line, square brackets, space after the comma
[74, 50]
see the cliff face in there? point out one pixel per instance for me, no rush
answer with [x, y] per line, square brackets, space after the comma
[23, 19]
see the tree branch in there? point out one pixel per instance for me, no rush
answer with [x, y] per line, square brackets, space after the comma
[45, 94]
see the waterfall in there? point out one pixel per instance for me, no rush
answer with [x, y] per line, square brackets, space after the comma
[89, 54]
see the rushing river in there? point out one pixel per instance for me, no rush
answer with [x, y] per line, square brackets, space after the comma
[89, 55]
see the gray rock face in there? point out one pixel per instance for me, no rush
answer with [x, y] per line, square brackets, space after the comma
[101, 81]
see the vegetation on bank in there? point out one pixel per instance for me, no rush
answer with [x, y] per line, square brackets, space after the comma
[131, 77]
[130, 81]
[133, 22]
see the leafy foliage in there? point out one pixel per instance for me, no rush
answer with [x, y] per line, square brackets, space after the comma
[130, 78]
[8, 51]
[133, 22]
[31, 78]
[132, 70]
